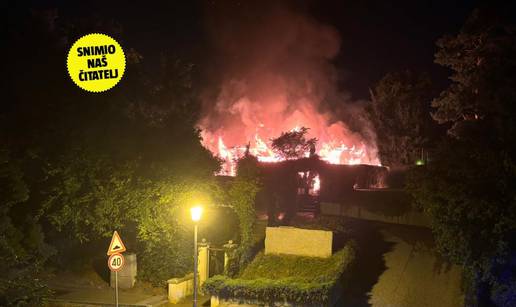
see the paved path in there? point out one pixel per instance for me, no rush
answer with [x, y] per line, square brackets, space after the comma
[201, 301]
[396, 266]
[104, 297]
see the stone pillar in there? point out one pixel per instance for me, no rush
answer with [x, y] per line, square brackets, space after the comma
[204, 261]
[214, 301]
[127, 275]
[229, 249]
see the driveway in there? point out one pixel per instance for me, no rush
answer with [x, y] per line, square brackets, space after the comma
[397, 266]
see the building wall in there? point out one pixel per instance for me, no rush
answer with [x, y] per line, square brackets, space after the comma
[408, 217]
[300, 242]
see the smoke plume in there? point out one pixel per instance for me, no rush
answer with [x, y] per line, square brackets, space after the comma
[272, 72]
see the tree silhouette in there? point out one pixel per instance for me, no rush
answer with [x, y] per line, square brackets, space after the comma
[294, 144]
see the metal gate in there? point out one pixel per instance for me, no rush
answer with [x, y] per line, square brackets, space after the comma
[216, 261]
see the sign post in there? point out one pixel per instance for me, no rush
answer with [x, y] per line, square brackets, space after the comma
[116, 260]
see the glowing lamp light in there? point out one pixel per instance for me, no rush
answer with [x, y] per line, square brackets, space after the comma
[196, 216]
[196, 213]
[420, 162]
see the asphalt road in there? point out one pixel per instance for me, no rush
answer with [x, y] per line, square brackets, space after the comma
[397, 266]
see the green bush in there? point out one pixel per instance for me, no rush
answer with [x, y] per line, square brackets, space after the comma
[298, 279]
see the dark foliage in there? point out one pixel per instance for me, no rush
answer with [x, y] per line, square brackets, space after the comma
[401, 117]
[294, 144]
[77, 165]
[468, 187]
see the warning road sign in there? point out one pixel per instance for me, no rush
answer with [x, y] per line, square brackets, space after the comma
[116, 246]
[116, 262]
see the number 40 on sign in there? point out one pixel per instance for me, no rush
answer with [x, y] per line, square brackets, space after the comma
[116, 262]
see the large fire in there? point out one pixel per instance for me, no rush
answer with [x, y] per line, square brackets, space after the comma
[273, 74]
[335, 145]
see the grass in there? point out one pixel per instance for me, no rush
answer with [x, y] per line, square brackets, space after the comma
[299, 279]
[302, 269]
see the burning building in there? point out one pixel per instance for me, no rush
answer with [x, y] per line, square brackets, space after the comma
[273, 73]
[298, 185]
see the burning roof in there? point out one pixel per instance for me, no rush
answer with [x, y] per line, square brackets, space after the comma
[275, 74]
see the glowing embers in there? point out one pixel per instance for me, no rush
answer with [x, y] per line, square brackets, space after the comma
[263, 151]
[309, 182]
[316, 186]
[334, 152]
[341, 154]
[229, 156]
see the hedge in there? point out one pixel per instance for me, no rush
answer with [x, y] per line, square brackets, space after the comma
[296, 279]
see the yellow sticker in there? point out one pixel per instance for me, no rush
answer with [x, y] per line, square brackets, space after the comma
[96, 62]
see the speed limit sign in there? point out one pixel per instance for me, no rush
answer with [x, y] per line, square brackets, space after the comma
[116, 262]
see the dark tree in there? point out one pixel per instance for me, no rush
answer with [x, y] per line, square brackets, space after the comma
[469, 188]
[400, 114]
[241, 196]
[293, 144]
[79, 165]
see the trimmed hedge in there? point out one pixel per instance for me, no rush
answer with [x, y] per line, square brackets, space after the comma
[296, 279]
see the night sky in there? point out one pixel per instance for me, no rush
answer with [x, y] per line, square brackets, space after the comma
[377, 36]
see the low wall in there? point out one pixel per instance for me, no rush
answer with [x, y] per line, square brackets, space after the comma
[300, 242]
[216, 301]
[179, 288]
[408, 217]
[221, 302]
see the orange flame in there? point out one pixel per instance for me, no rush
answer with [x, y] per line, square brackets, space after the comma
[316, 185]
[333, 151]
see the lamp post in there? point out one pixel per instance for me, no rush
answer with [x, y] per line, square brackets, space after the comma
[196, 216]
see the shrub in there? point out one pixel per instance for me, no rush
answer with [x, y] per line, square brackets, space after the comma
[297, 279]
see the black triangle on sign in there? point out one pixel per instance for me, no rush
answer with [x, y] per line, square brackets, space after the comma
[116, 247]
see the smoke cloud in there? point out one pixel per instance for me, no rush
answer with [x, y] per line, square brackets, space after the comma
[272, 71]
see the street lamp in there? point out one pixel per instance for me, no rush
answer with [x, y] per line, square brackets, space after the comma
[196, 216]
